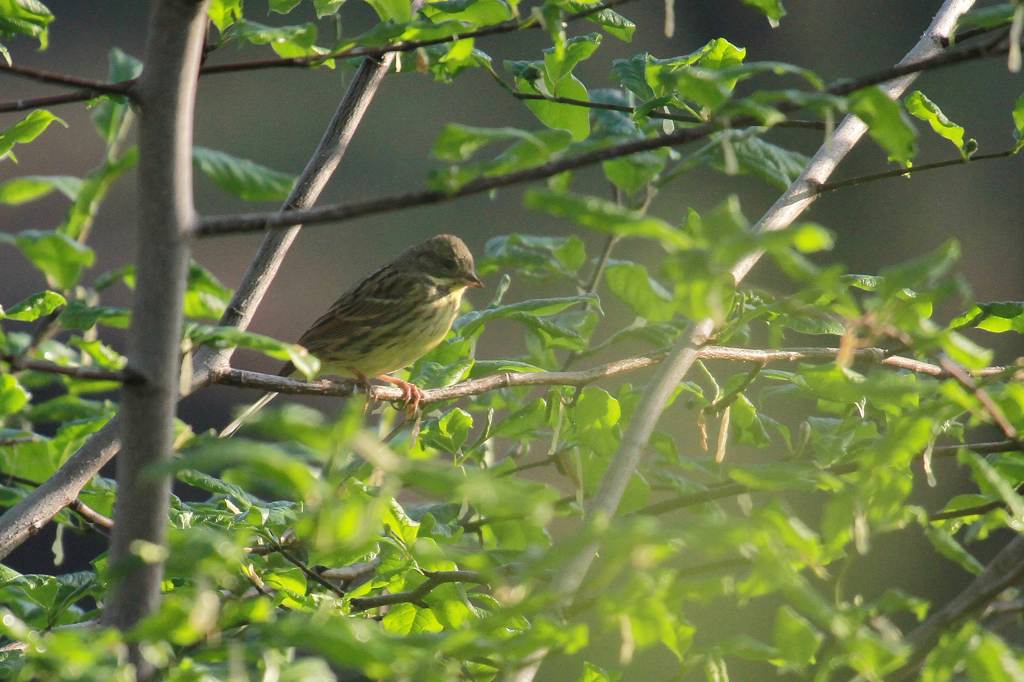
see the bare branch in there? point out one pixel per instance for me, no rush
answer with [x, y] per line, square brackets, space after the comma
[782, 214]
[87, 84]
[342, 212]
[48, 101]
[415, 596]
[79, 372]
[166, 93]
[907, 172]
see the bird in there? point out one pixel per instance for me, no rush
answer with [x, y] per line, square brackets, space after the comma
[389, 320]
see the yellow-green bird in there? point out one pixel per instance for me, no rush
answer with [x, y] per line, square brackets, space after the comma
[390, 319]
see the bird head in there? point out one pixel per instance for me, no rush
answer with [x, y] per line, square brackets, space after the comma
[447, 259]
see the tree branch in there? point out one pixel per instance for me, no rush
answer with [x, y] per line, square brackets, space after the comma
[86, 84]
[76, 505]
[782, 214]
[80, 372]
[898, 172]
[48, 101]
[509, 26]
[166, 93]
[341, 212]
[963, 377]
[1004, 571]
[415, 596]
[328, 387]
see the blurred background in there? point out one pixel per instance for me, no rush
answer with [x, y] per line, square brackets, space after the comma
[276, 118]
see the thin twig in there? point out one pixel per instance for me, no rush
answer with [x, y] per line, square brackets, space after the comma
[897, 172]
[415, 596]
[342, 212]
[77, 372]
[509, 26]
[76, 505]
[67, 80]
[962, 377]
[307, 571]
[660, 115]
[48, 101]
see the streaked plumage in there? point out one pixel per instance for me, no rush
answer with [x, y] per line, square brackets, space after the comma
[391, 318]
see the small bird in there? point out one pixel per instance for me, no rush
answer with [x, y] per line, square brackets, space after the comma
[390, 319]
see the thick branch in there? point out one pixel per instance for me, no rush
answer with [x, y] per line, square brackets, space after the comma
[415, 596]
[76, 505]
[782, 214]
[253, 222]
[166, 93]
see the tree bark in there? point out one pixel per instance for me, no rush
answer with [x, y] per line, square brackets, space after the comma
[166, 94]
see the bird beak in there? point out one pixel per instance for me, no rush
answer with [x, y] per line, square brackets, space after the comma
[473, 282]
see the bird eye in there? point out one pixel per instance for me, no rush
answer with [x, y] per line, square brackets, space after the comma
[450, 263]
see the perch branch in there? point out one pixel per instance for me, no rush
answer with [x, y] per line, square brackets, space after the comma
[415, 596]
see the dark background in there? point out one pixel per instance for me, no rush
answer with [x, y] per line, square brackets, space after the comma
[276, 118]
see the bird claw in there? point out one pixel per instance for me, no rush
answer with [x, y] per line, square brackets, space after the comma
[412, 395]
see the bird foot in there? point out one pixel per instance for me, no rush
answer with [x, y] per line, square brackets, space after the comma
[412, 395]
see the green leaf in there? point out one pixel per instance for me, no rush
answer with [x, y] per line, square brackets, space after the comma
[31, 187]
[12, 396]
[205, 296]
[1018, 124]
[647, 297]
[613, 23]
[286, 41]
[448, 433]
[995, 316]
[94, 187]
[27, 129]
[243, 178]
[772, 9]
[523, 422]
[795, 637]
[533, 256]
[112, 112]
[988, 17]
[606, 216]
[595, 419]
[282, 6]
[231, 337]
[34, 307]
[473, 321]
[751, 155]
[81, 316]
[946, 545]
[988, 476]
[25, 17]
[326, 8]
[392, 10]
[574, 119]
[886, 122]
[223, 13]
[923, 108]
[59, 257]
[406, 619]
[459, 142]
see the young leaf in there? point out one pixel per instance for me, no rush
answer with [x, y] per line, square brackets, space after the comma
[34, 307]
[22, 190]
[26, 130]
[59, 257]
[243, 178]
[772, 9]
[923, 108]
[1018, 124]
[647, 297]
[606, 216]
[223, 13]
[887, 124]
[112, 111]
[228, 337]
[12, 396]
[25, 17]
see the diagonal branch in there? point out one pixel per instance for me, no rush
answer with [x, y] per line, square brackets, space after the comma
[342, 212]
[782, 214]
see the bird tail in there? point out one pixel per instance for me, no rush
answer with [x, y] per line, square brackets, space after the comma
[230, 429]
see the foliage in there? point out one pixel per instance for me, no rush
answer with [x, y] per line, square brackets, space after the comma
[308, 548]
